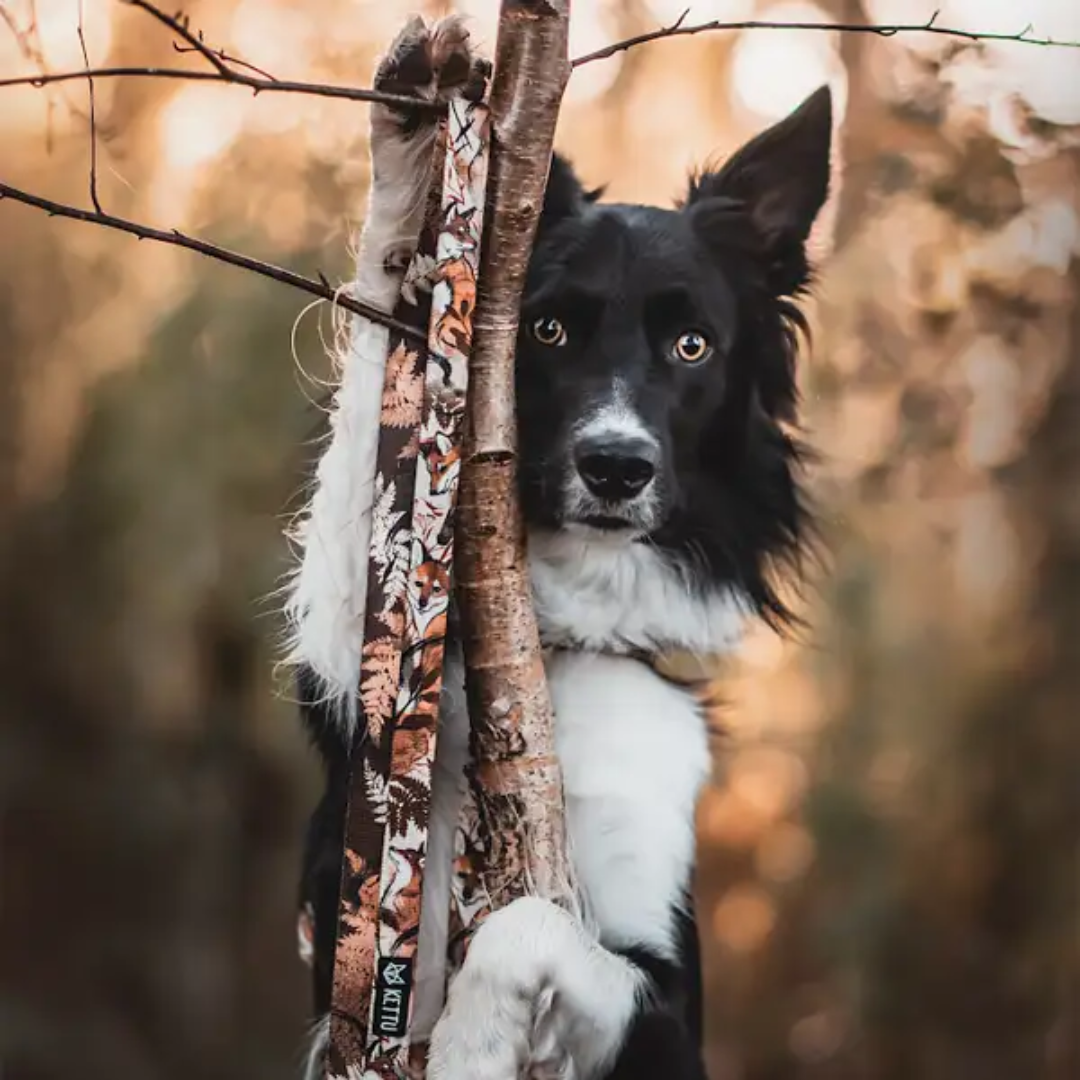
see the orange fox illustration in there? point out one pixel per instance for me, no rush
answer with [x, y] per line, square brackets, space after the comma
[429, 588]
[443, 457]
[453, 330]
[431, 581]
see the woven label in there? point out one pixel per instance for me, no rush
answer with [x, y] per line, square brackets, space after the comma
[393, 988]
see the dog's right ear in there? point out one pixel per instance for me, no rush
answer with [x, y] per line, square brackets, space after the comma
[564, 196]
[779, 181]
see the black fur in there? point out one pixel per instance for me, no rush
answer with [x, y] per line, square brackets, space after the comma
[324, 844]
[625, 282]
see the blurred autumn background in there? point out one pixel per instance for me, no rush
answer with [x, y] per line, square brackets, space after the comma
[890, 865]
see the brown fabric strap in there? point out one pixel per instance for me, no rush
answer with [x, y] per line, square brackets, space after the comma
[409, 585]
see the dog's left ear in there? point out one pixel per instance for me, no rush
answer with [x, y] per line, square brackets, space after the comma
[564, 195]
[780, 179]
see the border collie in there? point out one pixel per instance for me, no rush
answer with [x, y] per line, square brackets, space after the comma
[660, 482]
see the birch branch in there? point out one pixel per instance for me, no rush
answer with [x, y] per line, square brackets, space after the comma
[518, 779]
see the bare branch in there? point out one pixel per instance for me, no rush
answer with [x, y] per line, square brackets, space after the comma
[175, 238]
[680, 29]
[234, 78]
[179, 25]
[28, 42]
[226, 69]
[182, 49]
[93, 118]
[24, 39]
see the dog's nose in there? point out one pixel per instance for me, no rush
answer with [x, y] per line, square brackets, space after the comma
[615, 469]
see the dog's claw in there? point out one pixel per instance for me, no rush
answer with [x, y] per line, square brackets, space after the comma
[431, 63]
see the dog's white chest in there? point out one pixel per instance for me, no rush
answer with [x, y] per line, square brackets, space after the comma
[634, 755]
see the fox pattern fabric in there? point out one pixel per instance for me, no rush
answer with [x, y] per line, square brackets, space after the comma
[406, 614]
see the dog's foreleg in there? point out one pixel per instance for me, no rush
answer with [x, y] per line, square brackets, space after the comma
[326, 598]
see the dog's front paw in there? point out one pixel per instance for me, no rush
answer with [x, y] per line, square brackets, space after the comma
[537, 997]
[486, 1029]
[429, 63]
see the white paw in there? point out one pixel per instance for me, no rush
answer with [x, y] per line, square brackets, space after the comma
[537, 997]
[428, 63]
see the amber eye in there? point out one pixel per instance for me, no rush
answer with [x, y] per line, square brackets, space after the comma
[549, 331]
[691, 347]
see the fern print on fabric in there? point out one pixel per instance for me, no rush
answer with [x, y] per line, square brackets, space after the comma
[427, 594]
[410, 565]
[370, 794]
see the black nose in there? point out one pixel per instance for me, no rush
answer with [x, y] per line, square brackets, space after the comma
[615, 468]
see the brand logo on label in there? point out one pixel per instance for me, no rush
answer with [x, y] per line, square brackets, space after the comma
[393, 987]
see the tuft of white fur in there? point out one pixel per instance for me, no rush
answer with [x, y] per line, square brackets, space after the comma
[616, 417]
[634, 753]
[608, 592]
[318, 1044]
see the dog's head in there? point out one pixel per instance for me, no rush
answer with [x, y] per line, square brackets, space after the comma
[656, 358]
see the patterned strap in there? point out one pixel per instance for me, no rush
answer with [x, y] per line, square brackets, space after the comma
[408, 595]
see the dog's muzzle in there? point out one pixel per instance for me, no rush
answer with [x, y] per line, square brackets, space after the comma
[615, 470]
[613, 482]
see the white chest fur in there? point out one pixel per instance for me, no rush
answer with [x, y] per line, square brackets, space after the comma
[602, 593]
[634, 754]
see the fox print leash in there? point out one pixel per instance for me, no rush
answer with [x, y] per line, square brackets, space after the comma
[410, 568]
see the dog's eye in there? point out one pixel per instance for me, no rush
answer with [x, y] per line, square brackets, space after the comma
[549, 331]
[691, 347]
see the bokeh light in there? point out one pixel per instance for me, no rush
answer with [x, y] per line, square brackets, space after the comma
[774, 70]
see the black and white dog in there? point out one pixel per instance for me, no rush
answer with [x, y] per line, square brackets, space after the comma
[656, 383]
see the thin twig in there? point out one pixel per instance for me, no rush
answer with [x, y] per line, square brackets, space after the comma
[225, 69]
[235, 78]
[28, 42]
[93, 117]
[178, 24]
[680, 29]
[182, 49]
[16, 31]
[225, 66]
[321, 288]
[30, 49]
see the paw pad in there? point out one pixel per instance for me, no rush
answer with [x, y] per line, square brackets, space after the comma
[433, 62]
